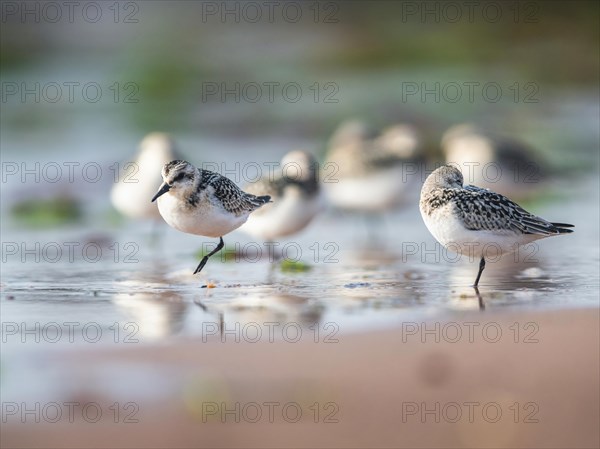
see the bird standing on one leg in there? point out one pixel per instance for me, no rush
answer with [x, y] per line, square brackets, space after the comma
[470, 220]
[202, 202]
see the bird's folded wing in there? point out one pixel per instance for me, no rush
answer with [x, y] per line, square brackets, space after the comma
[482, 209]
[234, 199]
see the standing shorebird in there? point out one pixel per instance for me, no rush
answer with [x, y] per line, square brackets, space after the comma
[504, 165]
[138, 180]
[478, 222]
[372, 173]
[202, 202]
[296, 194]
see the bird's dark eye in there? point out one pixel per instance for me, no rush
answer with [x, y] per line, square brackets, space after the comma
[179, 177]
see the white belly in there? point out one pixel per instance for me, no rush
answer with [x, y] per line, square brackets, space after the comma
[450, 232]
[204, 219]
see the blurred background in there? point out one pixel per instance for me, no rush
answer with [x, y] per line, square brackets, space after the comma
[81, 88]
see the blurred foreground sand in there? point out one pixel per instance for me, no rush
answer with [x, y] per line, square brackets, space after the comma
[369, 376]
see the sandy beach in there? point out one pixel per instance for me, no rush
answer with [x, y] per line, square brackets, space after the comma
[425, 384]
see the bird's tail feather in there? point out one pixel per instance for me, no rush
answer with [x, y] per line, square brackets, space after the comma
[264, 199]
[562, 227]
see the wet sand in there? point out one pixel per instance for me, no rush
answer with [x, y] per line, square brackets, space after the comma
[380, 386]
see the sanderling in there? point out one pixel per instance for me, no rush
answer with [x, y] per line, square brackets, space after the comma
[477, 222]
[296, 193]
[505, 165]
[370, 173]
[137, 181]
[202, 202]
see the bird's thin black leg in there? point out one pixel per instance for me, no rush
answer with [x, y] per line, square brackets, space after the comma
[481, 267]
[221, 323]
[479, 298]
[274, 256]
[202, 306]
[205, 258]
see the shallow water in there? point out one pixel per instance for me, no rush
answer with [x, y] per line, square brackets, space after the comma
[362, 275]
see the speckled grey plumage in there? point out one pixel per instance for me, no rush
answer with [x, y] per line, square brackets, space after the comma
[481, 209]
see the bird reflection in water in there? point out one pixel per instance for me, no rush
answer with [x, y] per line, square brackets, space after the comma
[157, 315]
[277, 308]
[514, 281]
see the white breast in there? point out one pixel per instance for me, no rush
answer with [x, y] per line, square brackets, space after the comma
[204, 219]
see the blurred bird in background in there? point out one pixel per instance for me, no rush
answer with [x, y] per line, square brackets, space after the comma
[266, 307]
[373, 173]
[138, 180]
[296, 198]
[506, 166]
[154, 315]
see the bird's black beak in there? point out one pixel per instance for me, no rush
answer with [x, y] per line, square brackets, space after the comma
[164, 188]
